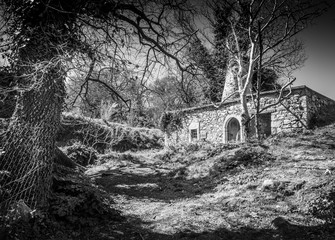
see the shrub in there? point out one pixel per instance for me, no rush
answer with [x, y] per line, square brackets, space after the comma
[75, 203]
[77, 200]
[247, 156]
[81, 154]
[170, 121]
[104, 136]
[323, 207]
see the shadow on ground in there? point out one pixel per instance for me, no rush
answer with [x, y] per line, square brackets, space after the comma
[159, 186]
[130, 229]
[136, 182]
[174, 186]
[145, 181]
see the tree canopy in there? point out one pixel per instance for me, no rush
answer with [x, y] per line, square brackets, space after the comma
[47, 42]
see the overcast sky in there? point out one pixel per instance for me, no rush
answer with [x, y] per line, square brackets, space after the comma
[319, 70]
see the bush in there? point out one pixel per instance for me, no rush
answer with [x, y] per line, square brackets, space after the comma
[81, 154]
[75, 204]
[247, 156]
[170, 121]
[104, 136]
[192, 147]
[323, 207]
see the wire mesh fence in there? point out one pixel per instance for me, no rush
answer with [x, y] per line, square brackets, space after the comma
[27, 153]
[25, 166]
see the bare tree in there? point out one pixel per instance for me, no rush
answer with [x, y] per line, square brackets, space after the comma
[44, 36]
[278, 22]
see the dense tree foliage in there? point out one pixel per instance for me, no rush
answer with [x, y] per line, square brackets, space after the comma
[269, 80]
[211, 66]
[173, 93]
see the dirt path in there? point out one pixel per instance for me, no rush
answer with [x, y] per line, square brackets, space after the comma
[199, 197]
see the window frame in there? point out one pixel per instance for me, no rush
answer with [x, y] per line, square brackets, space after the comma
[193, 128]
[194, 134]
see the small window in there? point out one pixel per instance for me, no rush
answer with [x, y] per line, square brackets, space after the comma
[194, 134]
[194, 130]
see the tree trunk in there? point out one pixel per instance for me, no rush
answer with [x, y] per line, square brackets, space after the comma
[244, 90]
[259, 75]
[61, 159]
[245, 118]
[41, 34]
[30, 142]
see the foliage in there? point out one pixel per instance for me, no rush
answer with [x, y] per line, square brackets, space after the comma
[249, 32]
[171, 121]
[244, 157]
[79, 36]
[107, 109]
[213, 67]
[111, 95]
[81, 154]
[166, 93]
[324, 116]
[323, 206]
[192, 147]
[104, 136]
[173, 93]
[75, 203]
[76, 200]
[269, 80]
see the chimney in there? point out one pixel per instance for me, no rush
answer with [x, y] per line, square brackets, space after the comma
[230, 90]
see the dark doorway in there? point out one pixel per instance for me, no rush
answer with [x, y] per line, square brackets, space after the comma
[233, 130]
[264, 125]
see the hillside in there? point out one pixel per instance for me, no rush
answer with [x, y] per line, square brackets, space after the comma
[283, 189]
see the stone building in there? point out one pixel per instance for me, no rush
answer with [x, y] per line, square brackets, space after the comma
[304, 108]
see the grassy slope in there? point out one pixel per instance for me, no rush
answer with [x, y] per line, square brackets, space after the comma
[227, 192]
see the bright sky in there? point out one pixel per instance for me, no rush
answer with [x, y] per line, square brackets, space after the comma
[319, 70]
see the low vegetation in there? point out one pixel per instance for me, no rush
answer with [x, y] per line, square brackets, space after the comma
[106, 136]
[281, 189]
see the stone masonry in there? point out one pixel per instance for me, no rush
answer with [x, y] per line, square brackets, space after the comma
[303, 109]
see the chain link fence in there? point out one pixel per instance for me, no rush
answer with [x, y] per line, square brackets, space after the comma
[25, 166]
[27, 153]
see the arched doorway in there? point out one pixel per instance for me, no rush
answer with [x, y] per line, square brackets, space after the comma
[233, 130]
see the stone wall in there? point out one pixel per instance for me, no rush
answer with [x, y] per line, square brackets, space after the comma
[292, 113]
[321, 109]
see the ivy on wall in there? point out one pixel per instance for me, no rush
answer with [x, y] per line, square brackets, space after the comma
[171, 121]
